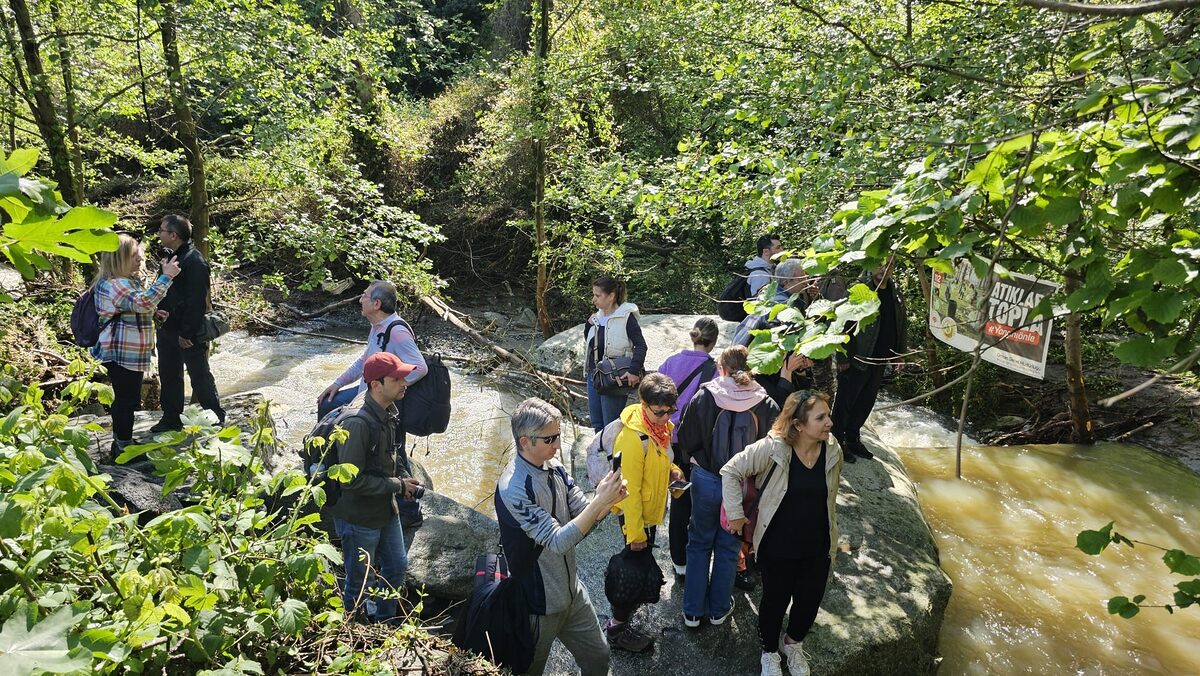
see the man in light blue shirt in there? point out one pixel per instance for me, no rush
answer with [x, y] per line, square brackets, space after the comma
[760, 267]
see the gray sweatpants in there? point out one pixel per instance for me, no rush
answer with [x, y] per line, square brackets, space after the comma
[579, 630]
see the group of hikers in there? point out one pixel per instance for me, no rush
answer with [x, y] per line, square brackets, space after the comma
[747, 465]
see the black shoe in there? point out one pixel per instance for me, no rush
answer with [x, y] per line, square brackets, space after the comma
[166, 425]
[744, 581]
[857, 448]
[848, 455]
[624, 637]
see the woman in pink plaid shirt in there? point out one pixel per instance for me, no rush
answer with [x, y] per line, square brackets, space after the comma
[126, 311]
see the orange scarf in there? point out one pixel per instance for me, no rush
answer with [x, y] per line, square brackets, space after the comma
[659, 432]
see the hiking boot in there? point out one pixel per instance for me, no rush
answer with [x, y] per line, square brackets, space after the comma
[770, 665]
[797, 659]
[721, 619]
[857, 448]
[848, 455]
[692, 621]
[166, 425]
[744, 581]
[624, 637]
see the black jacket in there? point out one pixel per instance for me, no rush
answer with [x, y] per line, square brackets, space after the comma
[864, 342]
[696, 427]
[187, 299]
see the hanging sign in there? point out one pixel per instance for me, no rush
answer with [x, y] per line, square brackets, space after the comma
[1011, 339]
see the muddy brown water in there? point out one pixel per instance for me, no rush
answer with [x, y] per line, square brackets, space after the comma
[1025, 600]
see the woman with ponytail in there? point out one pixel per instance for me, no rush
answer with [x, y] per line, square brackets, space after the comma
[611, 331]
[726, 415]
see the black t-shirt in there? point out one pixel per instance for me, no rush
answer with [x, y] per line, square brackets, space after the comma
[800, 528]
[889, 327]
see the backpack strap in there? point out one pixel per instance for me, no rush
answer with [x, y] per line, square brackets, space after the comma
[373, 456]
[767, 480]
[386, 336]
[692, 376]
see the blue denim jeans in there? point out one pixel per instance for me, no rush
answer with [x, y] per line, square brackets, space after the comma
[705, 594]
[603, 408]
[385, 552]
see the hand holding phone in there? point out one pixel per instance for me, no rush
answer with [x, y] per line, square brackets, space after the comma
[679, 485]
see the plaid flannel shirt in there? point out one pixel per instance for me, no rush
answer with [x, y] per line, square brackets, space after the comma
[128, 341]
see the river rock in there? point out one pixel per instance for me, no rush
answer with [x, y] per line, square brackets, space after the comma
[665, 335]
[527, 318]
[495, 319]
[882, 610]
[442, 552]
[139, 493]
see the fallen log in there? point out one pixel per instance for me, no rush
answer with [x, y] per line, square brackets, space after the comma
[322, 311]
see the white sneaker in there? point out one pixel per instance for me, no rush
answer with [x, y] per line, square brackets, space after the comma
[770, 665]
[797, 659]
[721, 619]
[680, 570]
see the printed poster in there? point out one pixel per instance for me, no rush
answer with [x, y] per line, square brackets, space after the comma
[1010, 338]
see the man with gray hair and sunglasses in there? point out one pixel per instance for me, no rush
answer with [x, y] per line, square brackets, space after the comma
[543, 515]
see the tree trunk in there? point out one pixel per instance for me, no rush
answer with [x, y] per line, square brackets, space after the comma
[372, 152]
[539, 165]
[1081, 418]
[64, 62]
[41, 103]
[185, 127]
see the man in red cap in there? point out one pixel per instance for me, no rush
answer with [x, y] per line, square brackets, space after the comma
[367, 517]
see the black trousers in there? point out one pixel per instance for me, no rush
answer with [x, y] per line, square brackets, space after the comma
[800, 582]
[171, 361]
[856, 393]
[127, 399]
[677, 528]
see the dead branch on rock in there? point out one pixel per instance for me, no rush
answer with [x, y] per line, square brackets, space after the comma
[322, 311]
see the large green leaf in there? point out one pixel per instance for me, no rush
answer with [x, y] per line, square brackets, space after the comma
[1164, 306]
[292, 617]
[1094, 541]
[21, 161]
[42, 647]
[1146, 351]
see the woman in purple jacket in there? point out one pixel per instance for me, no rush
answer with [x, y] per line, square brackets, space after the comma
[689, 369]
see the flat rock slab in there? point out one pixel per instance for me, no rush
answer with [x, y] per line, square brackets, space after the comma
[442, 552]
[882, 610]
[665, 335]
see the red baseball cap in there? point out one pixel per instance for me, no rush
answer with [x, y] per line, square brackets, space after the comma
[382, 364]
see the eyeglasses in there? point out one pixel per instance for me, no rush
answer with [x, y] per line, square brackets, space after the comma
[546, 440]
[665, 411]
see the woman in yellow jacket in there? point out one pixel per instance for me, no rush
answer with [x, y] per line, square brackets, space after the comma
[643, 449]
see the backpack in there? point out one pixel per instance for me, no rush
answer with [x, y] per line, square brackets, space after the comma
[425, 408]
[732, 432]
[633, 578]
[751, 494]
[315, 458]
[600, 451]
[85, 320]
[735, 293]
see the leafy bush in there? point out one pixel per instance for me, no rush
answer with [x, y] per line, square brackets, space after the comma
[227, 581]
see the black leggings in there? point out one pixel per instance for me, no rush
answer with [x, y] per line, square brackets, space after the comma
[798, 581]
[622, 613]
[127, 398]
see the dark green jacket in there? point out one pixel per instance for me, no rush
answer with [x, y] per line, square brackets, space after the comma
[370, 499]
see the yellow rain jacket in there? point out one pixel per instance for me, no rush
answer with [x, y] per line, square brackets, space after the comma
[646, 475]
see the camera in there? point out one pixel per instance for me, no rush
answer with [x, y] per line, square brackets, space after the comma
[418, 492]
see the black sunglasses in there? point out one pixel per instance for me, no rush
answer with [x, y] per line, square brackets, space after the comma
[547, 440]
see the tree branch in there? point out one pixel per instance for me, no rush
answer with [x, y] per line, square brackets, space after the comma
[1135, 9]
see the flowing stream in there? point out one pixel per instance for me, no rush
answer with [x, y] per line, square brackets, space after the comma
[1025, 600]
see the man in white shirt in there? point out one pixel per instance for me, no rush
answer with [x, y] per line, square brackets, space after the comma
[760, 267]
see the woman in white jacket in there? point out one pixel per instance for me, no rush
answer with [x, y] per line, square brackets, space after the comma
[797, 469]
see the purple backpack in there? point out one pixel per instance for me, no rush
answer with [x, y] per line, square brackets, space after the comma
[85, 321]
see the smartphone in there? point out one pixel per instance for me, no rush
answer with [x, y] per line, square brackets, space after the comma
[679, 485]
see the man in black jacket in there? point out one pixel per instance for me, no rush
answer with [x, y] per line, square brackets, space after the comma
[860, 372]
[182, 312]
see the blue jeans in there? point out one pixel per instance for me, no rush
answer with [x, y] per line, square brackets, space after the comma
[707, 541]
[603, 408]
[385, 551]
[345, 396]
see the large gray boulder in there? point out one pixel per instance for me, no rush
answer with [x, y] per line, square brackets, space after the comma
[882, 611]
[140, 493]
[442, 552]
[665, 335]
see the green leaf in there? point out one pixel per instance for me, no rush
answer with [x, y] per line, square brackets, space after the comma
[822, 346]
[22, 160]
[1094, 541]
[292, 617]
[1120, 605]
[1180, 73]
[1063, 210]
[1090, 296]
[27, 648]
[1170, 271]
[344, 472]
[1145, 351]
[1182, 563]
[1164, 306]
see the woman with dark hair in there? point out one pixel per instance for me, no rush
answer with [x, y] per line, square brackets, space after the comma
[642, 451]
[688, 369]
[126, 311]
[611, 332]
[726, 415]
[796, 469]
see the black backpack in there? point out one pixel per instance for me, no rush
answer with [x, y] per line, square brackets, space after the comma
[734, 294]
[317, 456]
[85, 320]
[425, 408]
[633, 578]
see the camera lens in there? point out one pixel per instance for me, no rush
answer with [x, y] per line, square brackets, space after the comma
[418, 492]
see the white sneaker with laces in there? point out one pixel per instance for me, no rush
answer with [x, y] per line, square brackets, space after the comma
[797, 659]
[770, 665]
